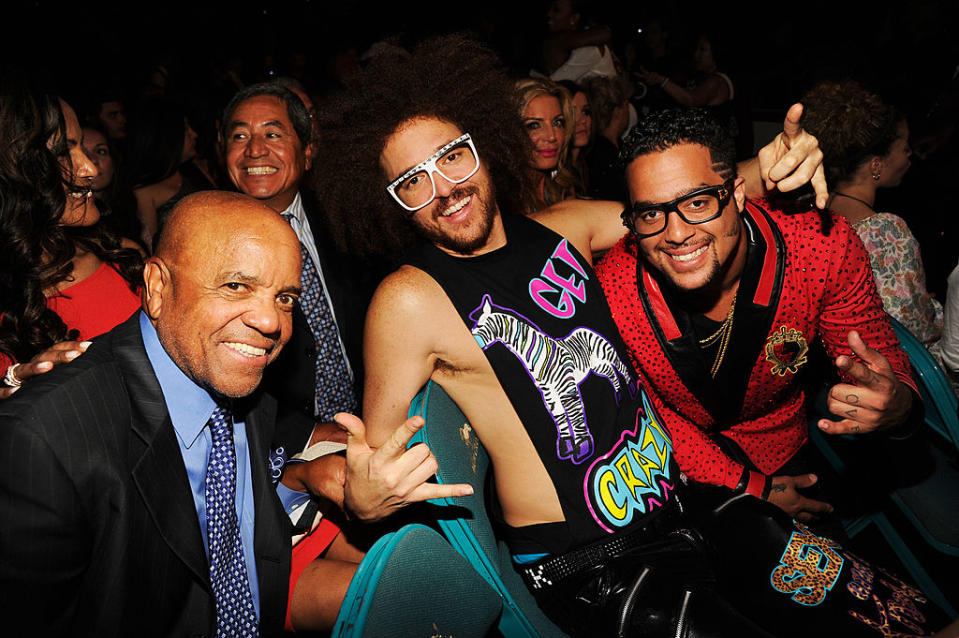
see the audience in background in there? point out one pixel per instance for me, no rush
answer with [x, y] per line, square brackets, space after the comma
[161, 171]
[652, 49]
[609, 102]
[582, 139]
[97, 148]
[709, 86]
[548, 118]
[576, 47]
[118, 207]
[108, 113]
[865, 145]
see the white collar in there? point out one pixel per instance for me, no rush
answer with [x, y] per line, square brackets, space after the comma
[296, 209]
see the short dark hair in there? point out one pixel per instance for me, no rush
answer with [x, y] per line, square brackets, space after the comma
[852, 125]
[295, 109]
[97, 96]
[662, 130]
[452, 78]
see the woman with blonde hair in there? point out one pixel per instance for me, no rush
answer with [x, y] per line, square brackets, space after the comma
[547, 112]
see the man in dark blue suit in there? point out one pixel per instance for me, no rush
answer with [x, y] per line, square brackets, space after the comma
[136, 493]
[266, 138]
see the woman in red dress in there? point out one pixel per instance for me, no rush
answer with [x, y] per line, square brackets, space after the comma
[63, 278]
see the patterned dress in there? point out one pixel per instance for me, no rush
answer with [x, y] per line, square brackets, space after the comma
[900, 277]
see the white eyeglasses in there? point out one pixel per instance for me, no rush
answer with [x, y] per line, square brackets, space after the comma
[456, 162]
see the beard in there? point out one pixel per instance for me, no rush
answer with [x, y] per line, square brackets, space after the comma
[704, 287]
[477, 234]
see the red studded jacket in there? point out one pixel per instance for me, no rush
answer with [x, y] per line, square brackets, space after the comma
[807, 277]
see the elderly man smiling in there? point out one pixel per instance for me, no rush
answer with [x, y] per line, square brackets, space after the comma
[136, 494]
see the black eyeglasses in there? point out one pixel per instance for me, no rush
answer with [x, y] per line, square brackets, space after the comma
[698, 207]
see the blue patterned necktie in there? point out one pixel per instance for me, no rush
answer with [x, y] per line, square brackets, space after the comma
[334, 387]
[235, 613]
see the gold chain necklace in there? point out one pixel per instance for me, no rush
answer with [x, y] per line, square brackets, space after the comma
[722, 335]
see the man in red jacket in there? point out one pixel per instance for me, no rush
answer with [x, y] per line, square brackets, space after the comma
[719, 298]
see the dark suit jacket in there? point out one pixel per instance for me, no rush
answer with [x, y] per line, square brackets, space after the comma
[291, 377]
[100, 535]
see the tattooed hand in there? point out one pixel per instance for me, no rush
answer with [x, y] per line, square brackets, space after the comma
[784, 494]
[876, 401]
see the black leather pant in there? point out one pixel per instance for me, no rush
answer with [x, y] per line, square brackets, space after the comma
[734, 567]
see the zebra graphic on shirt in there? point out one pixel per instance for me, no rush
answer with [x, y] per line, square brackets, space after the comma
[557, 367]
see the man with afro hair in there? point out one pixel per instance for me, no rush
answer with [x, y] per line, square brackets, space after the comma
[423, 159]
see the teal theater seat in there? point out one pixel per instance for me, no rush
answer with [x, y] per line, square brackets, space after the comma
[463, 459]
[937, 395]
[931, 505]
[412, 583]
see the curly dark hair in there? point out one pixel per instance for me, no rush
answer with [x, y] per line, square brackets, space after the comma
[36, 250]
[661, 130]
[452, 78]
[852, 125]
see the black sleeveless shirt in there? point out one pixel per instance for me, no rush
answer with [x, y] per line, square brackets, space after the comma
[537, 310]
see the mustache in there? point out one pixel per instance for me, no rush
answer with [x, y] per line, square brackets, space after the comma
[458, 193]
[694, 244]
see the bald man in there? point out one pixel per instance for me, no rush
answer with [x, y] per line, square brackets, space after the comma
[136, 498]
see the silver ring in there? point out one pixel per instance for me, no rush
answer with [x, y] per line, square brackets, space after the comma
[10, 378]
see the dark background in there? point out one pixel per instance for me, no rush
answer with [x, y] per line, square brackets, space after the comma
[777, 50]
[907, 52]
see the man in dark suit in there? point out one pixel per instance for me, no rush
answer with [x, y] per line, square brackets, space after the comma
[266, 137]
[136, 494]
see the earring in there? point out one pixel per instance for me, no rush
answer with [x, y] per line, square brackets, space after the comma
[876, 176]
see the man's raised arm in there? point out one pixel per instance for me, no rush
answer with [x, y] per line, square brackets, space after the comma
[792, 159]
[382, 475]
